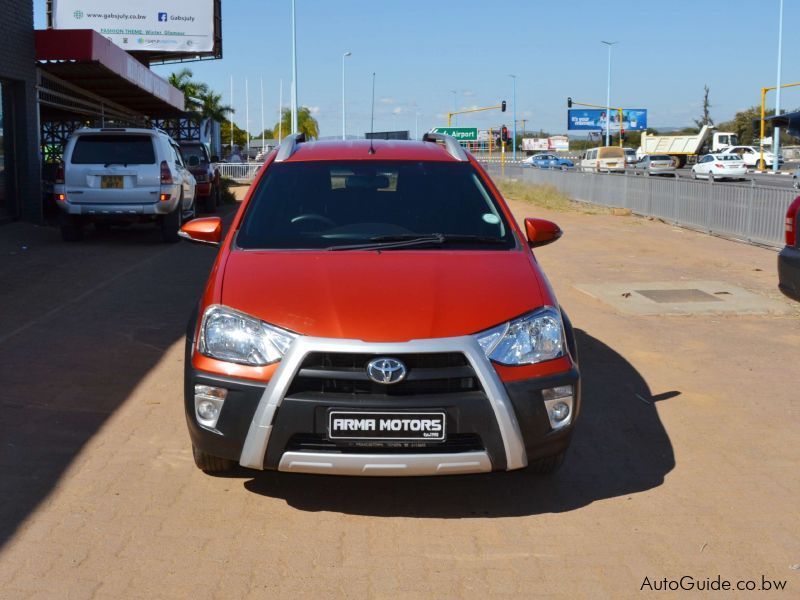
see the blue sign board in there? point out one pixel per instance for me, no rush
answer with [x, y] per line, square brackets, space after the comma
[594, 119]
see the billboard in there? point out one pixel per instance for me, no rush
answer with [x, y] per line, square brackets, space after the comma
[594, 119]
[462, 134]
[162, 26]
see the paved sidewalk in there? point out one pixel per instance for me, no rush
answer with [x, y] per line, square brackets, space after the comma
[684, 463]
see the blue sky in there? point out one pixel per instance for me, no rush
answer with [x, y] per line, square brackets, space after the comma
[421, 50]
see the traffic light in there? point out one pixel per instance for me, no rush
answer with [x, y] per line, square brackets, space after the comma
[503, 106]
[569, 102]
[504, 133]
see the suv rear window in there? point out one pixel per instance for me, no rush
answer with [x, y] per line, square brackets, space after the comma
[113, 150]
[314, 205]
[198, 150]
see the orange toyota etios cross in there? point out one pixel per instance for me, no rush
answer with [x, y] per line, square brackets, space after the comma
[375, 310]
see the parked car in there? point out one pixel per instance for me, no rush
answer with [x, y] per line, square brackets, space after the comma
[719, 166]
[630, 156]
[548, 161]
[750, 155]
[608, 159]
[789, 257]
[200, 166]
[655, 164]
[382, 314]
[120, 175]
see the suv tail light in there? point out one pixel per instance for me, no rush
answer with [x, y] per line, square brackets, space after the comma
[60, 173]
[166, 174]
[791, 222]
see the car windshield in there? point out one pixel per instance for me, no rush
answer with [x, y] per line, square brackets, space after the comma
[190, 150]
[630, 152]
[728, 157]
[325, 205]
[661, 157]
[113, 150]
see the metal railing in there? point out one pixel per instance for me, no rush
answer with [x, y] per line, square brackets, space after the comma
[747, 212]
[238, 172]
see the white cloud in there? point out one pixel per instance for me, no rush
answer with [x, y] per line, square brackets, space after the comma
[314, 110]
[397, 111]
[387, 101]
[468, 93]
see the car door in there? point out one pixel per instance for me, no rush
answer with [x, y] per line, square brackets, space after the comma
[702, 166]
[187, 179]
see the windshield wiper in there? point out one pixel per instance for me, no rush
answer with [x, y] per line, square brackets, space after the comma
[387, 242]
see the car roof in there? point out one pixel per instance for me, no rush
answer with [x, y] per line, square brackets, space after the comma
[118, 130]
[360, 150]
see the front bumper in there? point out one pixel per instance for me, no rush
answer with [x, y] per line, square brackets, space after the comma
[273, 426]
[789, 272]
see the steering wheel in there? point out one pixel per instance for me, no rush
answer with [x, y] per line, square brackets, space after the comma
[313, 217]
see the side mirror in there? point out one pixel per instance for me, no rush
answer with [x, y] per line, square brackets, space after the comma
[194, 161]
[207, 230]
[541, 232]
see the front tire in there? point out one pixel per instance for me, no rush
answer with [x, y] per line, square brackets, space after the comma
[211, 464]
[547, 464]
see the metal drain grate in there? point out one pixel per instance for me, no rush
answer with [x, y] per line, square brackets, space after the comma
[678, 296]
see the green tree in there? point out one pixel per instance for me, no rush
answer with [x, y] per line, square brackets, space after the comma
[239, 135]
[744, 124]
[305, 123]
[191, 89]
[211, 106]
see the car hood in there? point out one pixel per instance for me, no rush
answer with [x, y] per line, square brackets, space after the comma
[395, 295]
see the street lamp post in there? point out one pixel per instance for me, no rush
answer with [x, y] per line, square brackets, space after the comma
[294, 70]
[344, 109]
[608, 96]
[776, 134]
[514, 104]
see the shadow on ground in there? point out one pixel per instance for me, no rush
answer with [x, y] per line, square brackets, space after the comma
[619, 448]
[80, 326]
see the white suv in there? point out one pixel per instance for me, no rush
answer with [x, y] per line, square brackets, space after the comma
[116, 175]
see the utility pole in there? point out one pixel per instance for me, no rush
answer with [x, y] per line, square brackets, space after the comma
[776, 135]
[294, 69]
[608, 96]
[344, 104]
[514, 102]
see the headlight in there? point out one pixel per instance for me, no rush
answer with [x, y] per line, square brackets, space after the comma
[229, 335]
[534, 338]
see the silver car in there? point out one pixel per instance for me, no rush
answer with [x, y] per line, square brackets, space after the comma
[116, 175]
[656, 164]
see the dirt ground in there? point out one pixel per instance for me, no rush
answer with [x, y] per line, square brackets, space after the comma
[685, 461]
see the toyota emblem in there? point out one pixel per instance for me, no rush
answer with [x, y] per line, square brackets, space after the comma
[386, 370]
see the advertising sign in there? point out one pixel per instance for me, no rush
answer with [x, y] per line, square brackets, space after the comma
[462, 134]
[534, 144]
[594, 119]
[149, 25]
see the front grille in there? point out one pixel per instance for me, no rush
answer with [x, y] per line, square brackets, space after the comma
[346, 373]
[316, 442]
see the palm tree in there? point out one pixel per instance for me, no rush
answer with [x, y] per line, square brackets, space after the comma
[305, 123]
[191, 89]
[211, 108]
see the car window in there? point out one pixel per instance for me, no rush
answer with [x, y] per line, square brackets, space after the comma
[102, 149]
[660, 157]
[177, 155]
[611, 152]
[198, 150]
[304, 205]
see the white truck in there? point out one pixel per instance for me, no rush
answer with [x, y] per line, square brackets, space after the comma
[682, 148]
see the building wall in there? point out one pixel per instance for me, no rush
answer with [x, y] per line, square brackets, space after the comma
[18, 73]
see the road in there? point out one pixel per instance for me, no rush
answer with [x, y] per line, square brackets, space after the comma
[684, 462]
[762, 179]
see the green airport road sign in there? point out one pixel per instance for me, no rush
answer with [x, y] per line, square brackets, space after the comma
[462, 134]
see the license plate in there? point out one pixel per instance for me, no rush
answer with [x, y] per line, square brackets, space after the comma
[612, 164]
[361, 425]
[111, 182]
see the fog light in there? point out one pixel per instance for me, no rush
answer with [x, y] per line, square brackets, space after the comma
[558, 402]
[560, 411]
[208, 402]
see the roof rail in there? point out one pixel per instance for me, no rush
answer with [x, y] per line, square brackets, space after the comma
[289, 146]
[450, 143]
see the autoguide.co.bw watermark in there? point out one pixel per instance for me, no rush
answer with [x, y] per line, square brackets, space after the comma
[708, 584]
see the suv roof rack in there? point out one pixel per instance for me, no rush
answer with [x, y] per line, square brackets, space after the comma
[289, 146]
[450, 143]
